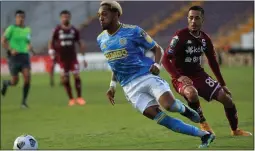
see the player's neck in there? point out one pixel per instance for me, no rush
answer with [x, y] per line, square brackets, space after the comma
[66, 26]
[195, 33]
[20, 25]
[114, 28]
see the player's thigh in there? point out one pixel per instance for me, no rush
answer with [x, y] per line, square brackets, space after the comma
[189, 92]
[14, 71]
[159, 88]
[64, 69]
[137, 94]
[141, 101]
[180, 87]
[206, 86]
[25, 66]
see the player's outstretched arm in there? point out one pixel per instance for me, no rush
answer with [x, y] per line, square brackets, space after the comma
[111, 91]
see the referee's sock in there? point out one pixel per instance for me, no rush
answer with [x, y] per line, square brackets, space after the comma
[26, 88]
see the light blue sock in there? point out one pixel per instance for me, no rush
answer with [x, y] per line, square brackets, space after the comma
[178, 126]
[177, 106]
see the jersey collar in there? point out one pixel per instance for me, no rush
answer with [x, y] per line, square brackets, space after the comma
[116, 30]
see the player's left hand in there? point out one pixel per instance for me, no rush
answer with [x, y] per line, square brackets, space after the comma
[154, 69]
[227, 91]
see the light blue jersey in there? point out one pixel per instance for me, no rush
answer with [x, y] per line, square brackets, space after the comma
[125, 52]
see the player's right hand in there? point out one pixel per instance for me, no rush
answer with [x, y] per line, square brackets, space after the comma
[185, 80]
[110, 94]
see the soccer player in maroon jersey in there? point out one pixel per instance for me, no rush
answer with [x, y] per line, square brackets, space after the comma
[62, 43]
[182, 61]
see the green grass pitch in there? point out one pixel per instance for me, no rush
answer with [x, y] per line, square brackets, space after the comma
[99, 125]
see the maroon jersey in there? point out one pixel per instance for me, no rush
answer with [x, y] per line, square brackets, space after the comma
[63, 42]
[183, 55]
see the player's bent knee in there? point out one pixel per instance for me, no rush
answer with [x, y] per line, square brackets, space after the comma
[191, 94]
[76, 76]
[15, 81]
[151, 111]
[64, 79]
[166, 100]
[223, 98]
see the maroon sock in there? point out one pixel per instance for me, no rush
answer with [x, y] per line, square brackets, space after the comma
[231, 114]
[78, 86]
[68, 89]
[196, 106]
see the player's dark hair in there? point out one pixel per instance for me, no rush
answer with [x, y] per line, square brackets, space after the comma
[65, 12]
[19, 12]
[197, 8]
[115, 10]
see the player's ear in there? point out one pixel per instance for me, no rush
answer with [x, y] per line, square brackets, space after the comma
[202, 18]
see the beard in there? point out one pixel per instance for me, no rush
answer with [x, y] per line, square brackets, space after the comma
[66, 23]
[105, 27]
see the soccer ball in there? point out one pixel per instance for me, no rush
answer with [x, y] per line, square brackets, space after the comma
[25, 142]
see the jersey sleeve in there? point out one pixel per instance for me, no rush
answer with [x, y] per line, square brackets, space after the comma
[169, 57]
[143, 39]
[8, 32]
[54, 34]
[174, 46]
[29, 36]
[77, 35]
[53, 37]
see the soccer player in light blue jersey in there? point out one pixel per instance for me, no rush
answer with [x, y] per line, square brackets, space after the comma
[124, 47]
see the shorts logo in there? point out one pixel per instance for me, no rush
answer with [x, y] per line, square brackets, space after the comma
[116, 54]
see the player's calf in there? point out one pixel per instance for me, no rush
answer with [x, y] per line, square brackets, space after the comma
[179, 126]
[7, 83]
[68, 88]
[171, 104]
[231, 113]
[191, 95]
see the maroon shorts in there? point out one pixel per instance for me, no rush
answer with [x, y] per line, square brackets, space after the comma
[206, 86]
[69, 66]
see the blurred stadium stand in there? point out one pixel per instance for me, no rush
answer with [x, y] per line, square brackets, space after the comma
[43, 16]
[230, 24]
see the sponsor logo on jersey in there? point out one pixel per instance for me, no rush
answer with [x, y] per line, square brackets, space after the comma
[116, 54]
[191, 49]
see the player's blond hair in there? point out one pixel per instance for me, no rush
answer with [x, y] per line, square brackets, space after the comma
[113, 4]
